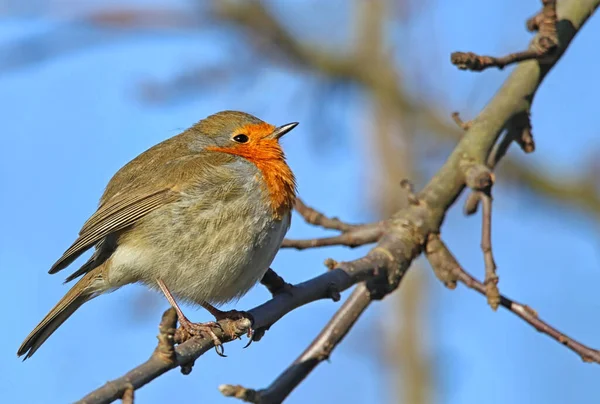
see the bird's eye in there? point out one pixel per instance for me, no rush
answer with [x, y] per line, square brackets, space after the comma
[240, 138]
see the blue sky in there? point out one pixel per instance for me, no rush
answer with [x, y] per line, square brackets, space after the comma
[68, 123]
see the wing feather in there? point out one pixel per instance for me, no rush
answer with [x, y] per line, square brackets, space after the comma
[113, 217]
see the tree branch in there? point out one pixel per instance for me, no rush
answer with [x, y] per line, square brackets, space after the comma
[442, 260]
[544, 45]
[518, 129]
[314, 217]
[352, 235]
[274, 283]
[344, 276]
[357, 236]
[491, 278]
[318, 351]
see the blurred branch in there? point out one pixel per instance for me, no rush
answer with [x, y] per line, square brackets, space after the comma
[155, 18]
[391, 133]
[96, 28]
[273, 40]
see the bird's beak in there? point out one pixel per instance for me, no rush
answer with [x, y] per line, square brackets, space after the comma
[282, 130]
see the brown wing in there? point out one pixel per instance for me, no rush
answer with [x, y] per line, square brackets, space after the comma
[116, 214]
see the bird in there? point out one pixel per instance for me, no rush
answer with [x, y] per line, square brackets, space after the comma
[198, 217]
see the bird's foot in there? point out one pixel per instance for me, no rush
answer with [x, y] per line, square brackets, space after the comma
[188, 330]
[232, 316]
[236, 315]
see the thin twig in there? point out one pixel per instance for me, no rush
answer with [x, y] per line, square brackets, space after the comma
[491, 278]
[242, 393]
[543, 46]
[438, 254]
[317, 218]
[409, 188]
[318, 351]
[355, 237]
[459, 122]
[474, 62]
[480, 178]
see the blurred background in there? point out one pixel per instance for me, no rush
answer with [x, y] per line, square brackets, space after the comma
[86, 86]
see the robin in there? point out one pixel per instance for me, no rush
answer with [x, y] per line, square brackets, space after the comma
[199, 217]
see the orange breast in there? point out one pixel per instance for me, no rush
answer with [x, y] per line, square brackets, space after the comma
[269, 158]
[280, 183]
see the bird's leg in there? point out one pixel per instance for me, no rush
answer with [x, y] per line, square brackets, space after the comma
[192, 329]
[230, 315]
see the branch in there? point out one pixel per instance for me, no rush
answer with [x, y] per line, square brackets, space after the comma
[544, 45]
[479, 178]
[344, 276]
[474, 62]
[491, 279]
[316, 218]
[275, 283]
[518, 129]
[442, 260]
[352, 235]
[318, 351]
[358, 236]
[458, 120]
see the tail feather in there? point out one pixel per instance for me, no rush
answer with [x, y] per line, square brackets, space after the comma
[81, 292]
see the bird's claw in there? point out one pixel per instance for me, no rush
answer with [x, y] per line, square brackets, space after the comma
[236, 315]
[220, 350]
[201, 330]
[250, 336]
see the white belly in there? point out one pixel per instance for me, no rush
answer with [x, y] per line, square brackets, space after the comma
[201, 268]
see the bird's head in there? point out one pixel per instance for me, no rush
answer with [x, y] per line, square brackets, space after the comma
[243, 134]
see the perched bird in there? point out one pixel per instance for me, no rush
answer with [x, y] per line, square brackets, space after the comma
[199, 216]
